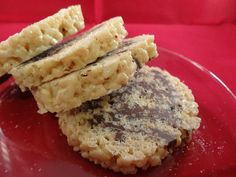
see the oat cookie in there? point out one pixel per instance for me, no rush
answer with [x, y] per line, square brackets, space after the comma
[71, 55]
[39, 36]
[136, 126]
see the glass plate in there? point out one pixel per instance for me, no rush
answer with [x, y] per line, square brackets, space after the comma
[32, 144]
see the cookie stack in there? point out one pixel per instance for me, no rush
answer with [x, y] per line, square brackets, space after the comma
[114, 110]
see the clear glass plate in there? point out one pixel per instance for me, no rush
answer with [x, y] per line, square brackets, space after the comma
[32, 144]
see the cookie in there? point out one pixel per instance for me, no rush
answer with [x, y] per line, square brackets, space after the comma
[39, 36]
[71, 55]
[136, 126]
[142, 47]
[110, 73]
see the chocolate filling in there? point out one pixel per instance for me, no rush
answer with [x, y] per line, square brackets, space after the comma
[165, 93]
[137, 63]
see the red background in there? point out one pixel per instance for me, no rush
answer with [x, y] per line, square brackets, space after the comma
[203, 30]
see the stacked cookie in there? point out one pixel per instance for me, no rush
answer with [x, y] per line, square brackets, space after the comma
[114, 110]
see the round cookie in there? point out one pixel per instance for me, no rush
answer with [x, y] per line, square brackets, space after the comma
[136, 126]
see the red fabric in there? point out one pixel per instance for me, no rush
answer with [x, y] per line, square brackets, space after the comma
[177, 25]
[34, 10]
[136, 11]
[170, 11]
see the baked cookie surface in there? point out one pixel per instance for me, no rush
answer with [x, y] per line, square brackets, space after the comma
[143, 48]
[39, 36]
[71, 55]
[136, 126]
[109, 73]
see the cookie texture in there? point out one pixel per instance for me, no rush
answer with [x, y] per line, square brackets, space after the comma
[92, 82]
[39, 36]
[143, 48]
[136, 126]
[71, 55]
[109, 73]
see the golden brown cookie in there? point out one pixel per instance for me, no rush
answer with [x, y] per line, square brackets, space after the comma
[71, 55]
[109, 73]
[39, 36]
[136, 126]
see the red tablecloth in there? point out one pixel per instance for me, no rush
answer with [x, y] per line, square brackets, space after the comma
[203, 31]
